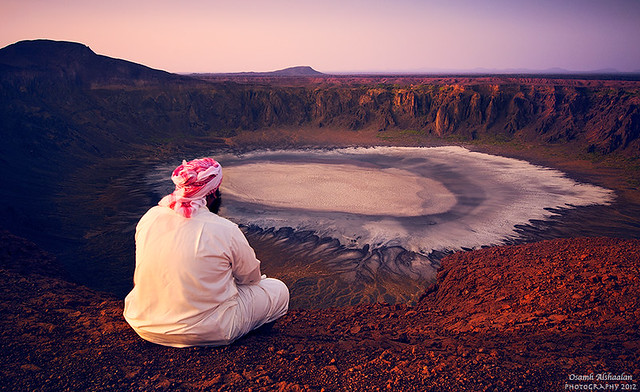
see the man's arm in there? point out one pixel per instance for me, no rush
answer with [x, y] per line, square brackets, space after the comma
[245, 266]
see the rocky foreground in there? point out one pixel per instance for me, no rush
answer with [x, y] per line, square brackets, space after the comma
[544, 316]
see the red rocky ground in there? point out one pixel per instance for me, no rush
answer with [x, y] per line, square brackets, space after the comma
[526, 317]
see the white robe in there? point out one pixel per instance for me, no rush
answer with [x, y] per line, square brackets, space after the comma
[197, 281]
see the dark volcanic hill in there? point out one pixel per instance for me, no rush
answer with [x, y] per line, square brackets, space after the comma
[74, 63]
[59, 101]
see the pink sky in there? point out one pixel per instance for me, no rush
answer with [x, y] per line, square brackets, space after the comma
[340, 35]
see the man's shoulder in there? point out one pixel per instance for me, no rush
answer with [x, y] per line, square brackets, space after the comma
[155, 210]
[201, 217]
[209, 217]
[151, 213]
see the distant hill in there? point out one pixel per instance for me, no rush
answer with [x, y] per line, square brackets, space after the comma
[297, 71]
[300, 71]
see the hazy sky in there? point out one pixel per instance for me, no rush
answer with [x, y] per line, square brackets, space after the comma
[339, 35]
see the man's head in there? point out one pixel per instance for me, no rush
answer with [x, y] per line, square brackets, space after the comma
[194, 181]
[197, 176]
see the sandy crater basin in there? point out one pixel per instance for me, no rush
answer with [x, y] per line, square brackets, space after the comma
[340, 188]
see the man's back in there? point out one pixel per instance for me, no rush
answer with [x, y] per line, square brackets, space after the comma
[185, 269]
[197, 280]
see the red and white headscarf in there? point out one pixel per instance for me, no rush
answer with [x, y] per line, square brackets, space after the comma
[194, 181]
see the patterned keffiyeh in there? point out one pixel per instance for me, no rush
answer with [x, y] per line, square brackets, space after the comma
[194, 180]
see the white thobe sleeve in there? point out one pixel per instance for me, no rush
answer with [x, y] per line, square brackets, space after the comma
[245, 266]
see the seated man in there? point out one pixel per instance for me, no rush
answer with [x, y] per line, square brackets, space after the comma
[197, 280]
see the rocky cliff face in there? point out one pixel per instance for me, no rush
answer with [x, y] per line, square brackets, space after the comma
[597, 118]
[600, 118]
